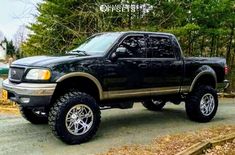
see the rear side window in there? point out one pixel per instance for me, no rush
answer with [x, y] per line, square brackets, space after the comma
[161, 47]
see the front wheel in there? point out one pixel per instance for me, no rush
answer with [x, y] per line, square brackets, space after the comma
[75, 117]
[154, 104]
[201, 104]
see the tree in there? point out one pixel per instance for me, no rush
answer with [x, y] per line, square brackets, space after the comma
[203, 27]
[20, 36]
[10, 47]
[60, 25]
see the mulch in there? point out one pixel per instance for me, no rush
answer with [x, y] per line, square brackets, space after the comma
[172, 144]
[225, 149]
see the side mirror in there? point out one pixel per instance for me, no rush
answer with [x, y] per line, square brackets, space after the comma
[120, 52]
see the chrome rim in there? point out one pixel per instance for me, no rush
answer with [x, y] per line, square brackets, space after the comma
[157, 102]
[79, 119]
[207, 104]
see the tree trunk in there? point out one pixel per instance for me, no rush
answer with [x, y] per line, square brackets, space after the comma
[202, 46]
[217, 46]
[129, 16]
[212, 44]
[139, 16]
[228, 54]
[189, 43]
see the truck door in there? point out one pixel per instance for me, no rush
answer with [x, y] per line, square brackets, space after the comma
[166, 65]
[128, 75]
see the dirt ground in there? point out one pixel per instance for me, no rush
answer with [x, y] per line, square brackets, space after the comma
[118, 128]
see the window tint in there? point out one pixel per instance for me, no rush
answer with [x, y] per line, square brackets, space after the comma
[161, 47]
[98, 44]
[135, 46]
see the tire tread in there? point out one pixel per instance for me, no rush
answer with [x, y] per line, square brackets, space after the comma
[56, 111]
[193, 104]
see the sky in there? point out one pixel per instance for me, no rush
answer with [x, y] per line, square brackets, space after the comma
[14, 13]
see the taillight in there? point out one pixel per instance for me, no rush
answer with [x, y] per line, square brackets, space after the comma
[226, 69]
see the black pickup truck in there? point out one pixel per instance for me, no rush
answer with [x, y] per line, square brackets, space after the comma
[113, 70]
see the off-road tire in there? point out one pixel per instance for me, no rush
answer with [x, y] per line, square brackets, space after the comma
[149, 104]
[193, 102]
[61, 107]
[32, 117]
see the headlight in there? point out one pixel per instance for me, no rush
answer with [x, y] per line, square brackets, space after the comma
[38, 74]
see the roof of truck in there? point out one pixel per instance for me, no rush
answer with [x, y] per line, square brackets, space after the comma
[161, 33]
[144, 32]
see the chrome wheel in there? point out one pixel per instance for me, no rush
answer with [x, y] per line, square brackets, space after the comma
[79, 119]
[207, 104]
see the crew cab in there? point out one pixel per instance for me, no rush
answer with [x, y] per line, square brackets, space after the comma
[113, 70]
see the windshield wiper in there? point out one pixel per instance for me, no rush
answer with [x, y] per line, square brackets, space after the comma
[77, 52]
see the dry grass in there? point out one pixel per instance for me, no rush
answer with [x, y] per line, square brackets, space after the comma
[172, 144]
[7, 107]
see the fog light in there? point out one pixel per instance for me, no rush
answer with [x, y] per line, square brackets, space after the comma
[24, 100]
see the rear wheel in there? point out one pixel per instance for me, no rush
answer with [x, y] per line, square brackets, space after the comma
[75, 117]
[201, 104]
[35, 116]
[154, 104]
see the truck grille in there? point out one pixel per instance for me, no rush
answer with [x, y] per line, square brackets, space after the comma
[16, 74]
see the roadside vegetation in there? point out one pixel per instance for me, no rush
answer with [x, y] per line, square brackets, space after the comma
[9, 108]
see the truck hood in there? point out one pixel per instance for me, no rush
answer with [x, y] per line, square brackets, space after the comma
[47, 61]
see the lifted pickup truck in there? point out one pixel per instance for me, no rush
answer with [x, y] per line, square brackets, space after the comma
[113, 70]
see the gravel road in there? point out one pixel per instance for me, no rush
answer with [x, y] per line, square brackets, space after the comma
[118, 127]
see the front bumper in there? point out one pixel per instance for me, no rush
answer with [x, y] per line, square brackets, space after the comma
[29, 94]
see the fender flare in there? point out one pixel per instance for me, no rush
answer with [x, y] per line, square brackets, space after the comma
[204, 70]
[86, 75]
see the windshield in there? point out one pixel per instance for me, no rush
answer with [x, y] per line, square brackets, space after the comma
[98, 44]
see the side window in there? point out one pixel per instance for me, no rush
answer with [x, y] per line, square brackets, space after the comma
[135, 46]
[161, 47]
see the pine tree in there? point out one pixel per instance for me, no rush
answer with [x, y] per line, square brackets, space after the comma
[10, 47]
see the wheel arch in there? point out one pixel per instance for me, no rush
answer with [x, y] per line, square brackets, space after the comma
[204, 75]
[82, 77]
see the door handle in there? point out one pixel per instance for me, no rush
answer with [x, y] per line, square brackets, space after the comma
[144, 66]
